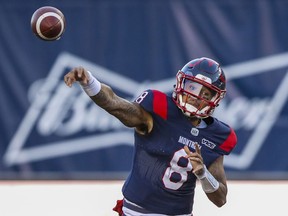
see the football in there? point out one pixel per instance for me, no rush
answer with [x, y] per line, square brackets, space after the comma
[48, 23]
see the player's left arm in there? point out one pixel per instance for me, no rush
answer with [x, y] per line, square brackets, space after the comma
[216, 169]
[212, 179]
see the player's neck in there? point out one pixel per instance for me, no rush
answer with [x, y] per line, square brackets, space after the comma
[195, 121]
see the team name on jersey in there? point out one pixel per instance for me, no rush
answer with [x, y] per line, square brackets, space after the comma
[187, 142]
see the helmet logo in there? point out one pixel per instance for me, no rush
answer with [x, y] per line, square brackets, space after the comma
[193, 64]
[204, 78]
[210, 63]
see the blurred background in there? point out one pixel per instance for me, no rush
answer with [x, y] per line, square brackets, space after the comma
[51, 132]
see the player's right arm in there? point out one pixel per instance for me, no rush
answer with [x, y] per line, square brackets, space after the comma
[129, 113]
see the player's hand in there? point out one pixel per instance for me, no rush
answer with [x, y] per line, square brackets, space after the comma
[76, 74]
[195, 159]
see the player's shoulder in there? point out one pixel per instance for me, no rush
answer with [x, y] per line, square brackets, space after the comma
[151, 96]
[150, 93]
[225, 134]
[154, 101]
[218, 124]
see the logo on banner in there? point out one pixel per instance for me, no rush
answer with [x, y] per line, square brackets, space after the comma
[70, 123]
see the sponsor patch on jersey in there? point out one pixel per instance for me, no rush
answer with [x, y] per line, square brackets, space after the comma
[194, 131]
[208, 143]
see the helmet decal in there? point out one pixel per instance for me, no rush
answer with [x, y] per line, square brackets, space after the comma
[204, 78]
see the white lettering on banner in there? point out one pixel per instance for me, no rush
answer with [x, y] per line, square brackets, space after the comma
[69, 112]
[58, 110]
[242, 112]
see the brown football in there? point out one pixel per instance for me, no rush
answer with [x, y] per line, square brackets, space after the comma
[48, 23]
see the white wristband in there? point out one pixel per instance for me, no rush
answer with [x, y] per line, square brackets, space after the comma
[93, 86]
[208, 182]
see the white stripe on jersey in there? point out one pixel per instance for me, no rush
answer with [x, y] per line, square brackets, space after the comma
[129, 212]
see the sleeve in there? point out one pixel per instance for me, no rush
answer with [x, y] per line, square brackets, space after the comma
[222, 136]
[229, 143]
[145, 99]
[154, 101]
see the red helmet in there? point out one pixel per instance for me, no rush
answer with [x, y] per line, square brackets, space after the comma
[200, 85]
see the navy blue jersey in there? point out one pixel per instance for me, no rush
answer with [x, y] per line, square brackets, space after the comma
[161, 179]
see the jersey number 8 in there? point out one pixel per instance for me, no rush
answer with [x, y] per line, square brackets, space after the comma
[176, 175]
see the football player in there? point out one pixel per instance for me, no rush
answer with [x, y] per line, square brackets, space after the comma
[177, 141]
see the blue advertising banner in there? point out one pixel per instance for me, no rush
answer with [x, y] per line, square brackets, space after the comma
[50, 131]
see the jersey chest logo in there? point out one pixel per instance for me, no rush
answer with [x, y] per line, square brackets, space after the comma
[194, 131]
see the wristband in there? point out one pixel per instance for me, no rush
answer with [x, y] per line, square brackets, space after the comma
[93, 86]
[208, 182]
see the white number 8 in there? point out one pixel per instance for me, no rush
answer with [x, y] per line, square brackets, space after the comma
[176, 169]
[141, 97]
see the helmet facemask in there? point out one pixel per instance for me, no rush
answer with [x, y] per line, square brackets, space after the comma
[196, 96]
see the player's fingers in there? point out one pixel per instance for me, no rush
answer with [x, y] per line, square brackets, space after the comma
[198, 170]
[69, 80]
[66, 80]
[79, 72]
[81, 75]
[195, 159]
[194, 156]
[186, 149]
[197, 148]
[85, 78]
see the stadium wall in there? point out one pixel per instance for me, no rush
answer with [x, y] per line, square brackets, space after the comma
[97, 198]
